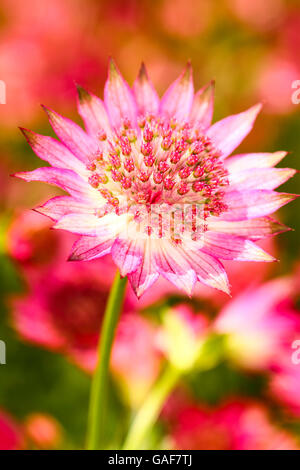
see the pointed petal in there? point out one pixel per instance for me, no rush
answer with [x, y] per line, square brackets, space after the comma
[262, 178]
[172, 265]
[146, 274]
[93, 112]
[59, 206]
[228, 133]
[118, 98]
[203, 106]
[209, 270]
[53, 152]
[229, 247]
[178, 99]
[250, 204]
[88, 248]
[127, 255]
[248, 161]
[253, 229]
[72, 136]
[146, 97]
[65, 179]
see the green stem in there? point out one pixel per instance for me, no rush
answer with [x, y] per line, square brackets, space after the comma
[151, 408]
[98, 397]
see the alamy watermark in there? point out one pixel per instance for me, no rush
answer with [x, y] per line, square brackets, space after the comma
[2, 352]
[296, 94]
[2, 92]
[296, 354]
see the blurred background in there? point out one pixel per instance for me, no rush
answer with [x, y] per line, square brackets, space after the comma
[248, 394]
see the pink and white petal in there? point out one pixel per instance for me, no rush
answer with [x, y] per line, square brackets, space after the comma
[249, 204]
[146, 274]
[53, 152]
[89, 248]
[93, 112]
[249, 161]
[146, 97]
[118, 98]
[68, 180]
[87, 224]
[229, 247]
[59, 206]
[261, 178]
[178, 99]
[72, 136]
[228, 133]
[127, 254]
[209, 270]
[253, 229]
[203, 106]
[173, 266]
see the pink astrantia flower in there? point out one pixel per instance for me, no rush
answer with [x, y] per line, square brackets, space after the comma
[235, 425]
[150, 183]
[260, 324]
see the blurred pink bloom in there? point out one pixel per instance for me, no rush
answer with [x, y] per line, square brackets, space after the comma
[236, 425]
[64, 308]
[136, 358]
[261, 14]
[43, 431]
[284, 382]
[11, 437]
[277, 74]
[260, 323]
[31, 63]
[142, 154]
[63, 311]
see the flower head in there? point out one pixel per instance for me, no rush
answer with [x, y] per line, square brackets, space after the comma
[149, 182]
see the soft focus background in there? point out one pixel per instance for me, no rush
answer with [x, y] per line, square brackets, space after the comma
[245, 393]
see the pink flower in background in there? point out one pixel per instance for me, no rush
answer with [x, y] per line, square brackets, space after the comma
[260, 324]
[64, 307]
[136, 357]
[284, 382]
[63, 312]
[235, 425]
[151, 184]
[11, 437]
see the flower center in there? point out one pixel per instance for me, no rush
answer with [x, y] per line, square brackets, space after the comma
[159, 163]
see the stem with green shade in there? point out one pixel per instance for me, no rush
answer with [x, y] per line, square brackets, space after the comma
[149, 412]
[98, 397]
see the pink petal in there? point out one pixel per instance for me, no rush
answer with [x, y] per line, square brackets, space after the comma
[209, 270]
[86, 224]
[178, 99]
[146, 274]
[228, 133]
[229, 247]
[53, 152]
[146, 97]
[65, 179]
[250, 204]
[127, 255]
[118, 98]
[172, 265]
[248, 161]
[72, 136]
[93, 112]
[262, 178]
[59, 206]
[253, 229]
[203, 106]
[88, 248]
